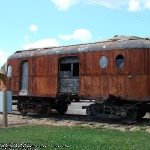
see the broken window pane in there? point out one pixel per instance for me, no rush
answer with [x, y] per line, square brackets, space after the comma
[120, 61]
[65, 67]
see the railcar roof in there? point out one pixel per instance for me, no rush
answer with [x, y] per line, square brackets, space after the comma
[117, 42]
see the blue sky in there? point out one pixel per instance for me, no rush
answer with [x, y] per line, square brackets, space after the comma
[43, 23]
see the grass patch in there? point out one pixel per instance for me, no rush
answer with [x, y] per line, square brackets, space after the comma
[75, 138]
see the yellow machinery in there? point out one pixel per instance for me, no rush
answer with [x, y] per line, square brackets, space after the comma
[3, 77]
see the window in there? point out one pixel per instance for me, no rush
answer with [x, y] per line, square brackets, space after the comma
[69, 67]
[119, 61]
[103, 62]
[76, 70]
[65, 67]
[9, 71]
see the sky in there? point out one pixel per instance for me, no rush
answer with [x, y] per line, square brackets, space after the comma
[27, 24]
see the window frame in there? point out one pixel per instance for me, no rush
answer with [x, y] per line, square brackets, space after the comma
[120, 61]
[103, 62]
[9, 71]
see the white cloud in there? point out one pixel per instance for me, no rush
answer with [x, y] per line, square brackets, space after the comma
[109, 3]
[134, 5]
[41, 44]
[3, 57]
[130, 5]
[64, 4]
[147, 4]
[82, 35]
[33, 28]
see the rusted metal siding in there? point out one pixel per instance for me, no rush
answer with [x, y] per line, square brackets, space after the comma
[13, 83]
[94, 81]
[44, 66]
[43, 77]
[138, 84]
[117, 77]
[130, 83]
[136, 88]
[137, 62]
[43, 86]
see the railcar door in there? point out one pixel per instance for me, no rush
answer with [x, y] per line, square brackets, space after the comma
[24, 78]
[69, 75]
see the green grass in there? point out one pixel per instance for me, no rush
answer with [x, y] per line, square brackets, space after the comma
[76, 138]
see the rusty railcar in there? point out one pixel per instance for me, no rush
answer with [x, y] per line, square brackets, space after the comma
[115, 72]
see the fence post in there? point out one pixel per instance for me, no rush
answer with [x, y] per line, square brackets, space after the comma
[5, 119]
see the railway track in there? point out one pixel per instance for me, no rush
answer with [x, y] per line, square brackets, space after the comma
[75, 113]
[83, 119]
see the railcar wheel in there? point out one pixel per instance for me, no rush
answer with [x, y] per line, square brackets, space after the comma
[90, 111]
[131, 113]
[46, 110]
[141, 114]
[61, 106]
[21, 109]
[77, 100]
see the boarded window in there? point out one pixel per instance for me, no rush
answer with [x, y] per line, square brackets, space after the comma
[9, 71]
[120, 61]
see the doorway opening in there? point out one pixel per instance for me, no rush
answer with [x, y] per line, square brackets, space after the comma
[69, 75]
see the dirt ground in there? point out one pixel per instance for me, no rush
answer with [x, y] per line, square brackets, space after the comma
[16, 119]
[19, 120]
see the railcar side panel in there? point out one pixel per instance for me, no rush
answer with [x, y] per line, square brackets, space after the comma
[83, 64]
[117, 85]
[100, 87]
[137, 88]
[44, 86]
[118, 76]
[137, 62]
[137, 79]
[86, 86]
[120, 82]
[94, 81]
[13, 83]
[126, 66]
[44, 76]
[89, 64]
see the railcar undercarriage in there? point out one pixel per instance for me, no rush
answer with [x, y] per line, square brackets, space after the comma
[118, 109]
[41, 105]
